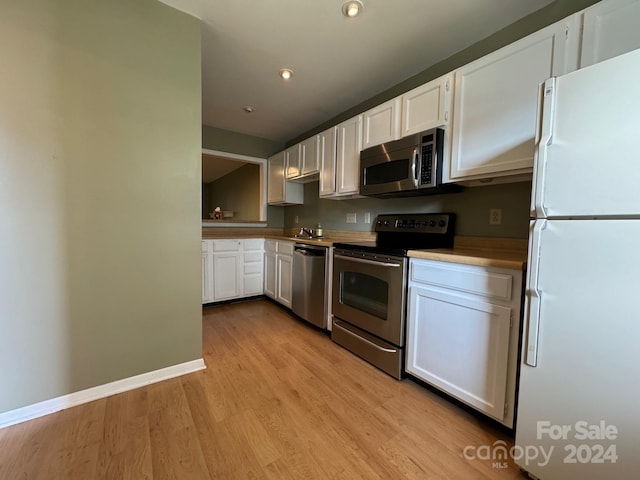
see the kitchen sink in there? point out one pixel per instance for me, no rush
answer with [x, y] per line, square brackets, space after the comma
[308, 237]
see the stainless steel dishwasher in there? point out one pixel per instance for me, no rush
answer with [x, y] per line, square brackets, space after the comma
[309, 269]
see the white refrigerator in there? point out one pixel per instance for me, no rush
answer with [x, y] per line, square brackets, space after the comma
[578, 413]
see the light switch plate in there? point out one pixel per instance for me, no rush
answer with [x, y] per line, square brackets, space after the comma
[367, 217]
[351, 218]
[495, 216]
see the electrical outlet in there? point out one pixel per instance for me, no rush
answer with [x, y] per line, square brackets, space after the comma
[351, 218]
[296, 219]
[367, 217]
[495, 216]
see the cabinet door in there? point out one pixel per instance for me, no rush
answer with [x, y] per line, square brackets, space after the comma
[292, 162]
[610, 29]
[227, 275]
[427, 106]
[460, 345]
[270, 274]
[496, 100]
[349, 144]
[252, 275]
[309, 156]
[279, 191]
[275, 184]
[381, 124]
[284, 284]
[207, 273]
[327, 160]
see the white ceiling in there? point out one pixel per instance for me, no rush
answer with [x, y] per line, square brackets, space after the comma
[337, 62]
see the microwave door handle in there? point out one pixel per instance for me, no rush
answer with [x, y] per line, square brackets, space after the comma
[414, 167]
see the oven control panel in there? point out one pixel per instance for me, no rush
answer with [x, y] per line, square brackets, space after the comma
[432, 223]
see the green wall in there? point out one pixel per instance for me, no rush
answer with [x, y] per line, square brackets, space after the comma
[239, 143]
[100, 151]
[471, 206]
[237, 191]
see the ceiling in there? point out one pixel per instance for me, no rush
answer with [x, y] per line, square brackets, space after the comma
[338, 62]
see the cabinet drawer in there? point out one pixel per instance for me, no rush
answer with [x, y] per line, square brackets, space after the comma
[285, 248]
[226, 245]
[250, 257]
[253, 244]
[464, 278]
[253, 267]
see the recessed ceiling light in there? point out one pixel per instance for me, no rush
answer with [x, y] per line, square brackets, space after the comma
[286, 73]
[247, 109]
[351, 8]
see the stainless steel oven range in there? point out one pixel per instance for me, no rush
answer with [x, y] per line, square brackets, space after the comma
[370, 285]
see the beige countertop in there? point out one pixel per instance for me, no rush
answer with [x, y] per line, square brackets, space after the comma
[482, 251]
[327, 240]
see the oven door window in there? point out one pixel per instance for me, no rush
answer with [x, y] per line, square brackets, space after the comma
[365, 293]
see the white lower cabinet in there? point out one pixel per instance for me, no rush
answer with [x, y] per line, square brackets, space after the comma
[252, 267]
[462, 333]
[270, 274]
[227, 275]
[232, 269]
[278, 271]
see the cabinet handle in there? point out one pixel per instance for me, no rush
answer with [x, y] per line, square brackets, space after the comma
[362, 339]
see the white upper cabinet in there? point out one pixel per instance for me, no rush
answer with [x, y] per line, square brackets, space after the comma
[495, 103]
[339, 153]
[382, 123]
[292, 162]
[302, 161]
[349, 144]
[427, 106]
[327, 161]
[309, 158]
[279, 191]
[610, 28]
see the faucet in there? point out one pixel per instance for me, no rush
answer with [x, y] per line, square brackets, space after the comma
[306, 231]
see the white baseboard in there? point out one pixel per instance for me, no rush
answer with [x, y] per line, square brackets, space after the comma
[40, 409]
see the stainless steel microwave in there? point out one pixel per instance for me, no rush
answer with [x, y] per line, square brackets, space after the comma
[405, 167]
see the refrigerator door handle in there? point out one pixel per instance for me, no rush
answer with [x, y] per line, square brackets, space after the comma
[544, 138]
[534, 296]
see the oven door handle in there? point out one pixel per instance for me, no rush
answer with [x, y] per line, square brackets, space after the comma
[369, 262]
[362, 339]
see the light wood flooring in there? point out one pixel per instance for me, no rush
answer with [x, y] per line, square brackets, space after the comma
[278, 400]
